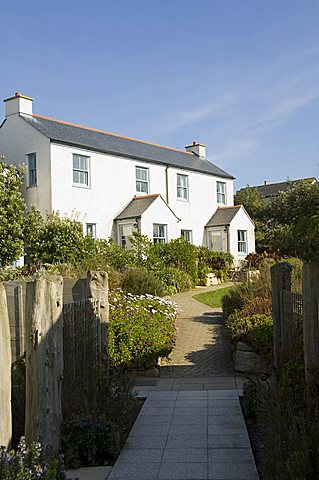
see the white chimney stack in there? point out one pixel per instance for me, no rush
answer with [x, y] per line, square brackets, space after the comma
[18, 104]
[198, 148]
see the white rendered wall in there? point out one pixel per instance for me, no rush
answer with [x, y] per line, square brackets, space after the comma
[17, 139]
[202, 201]
[112, 187]
[241, 222]
[159, 212]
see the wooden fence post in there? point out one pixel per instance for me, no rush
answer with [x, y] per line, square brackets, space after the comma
[5, 372]
[44, 362]
[98, 290]
[280, 280]
[310, 292]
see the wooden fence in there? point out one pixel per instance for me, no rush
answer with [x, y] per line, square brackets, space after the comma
[296, 316]
[64, 346]
[82, 353]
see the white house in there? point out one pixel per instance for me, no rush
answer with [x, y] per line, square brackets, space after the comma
[118, 185]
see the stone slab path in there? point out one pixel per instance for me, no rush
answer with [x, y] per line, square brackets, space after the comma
[191, 425]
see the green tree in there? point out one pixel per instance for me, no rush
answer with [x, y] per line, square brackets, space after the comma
[56, 239]
[294, 222]
[12, 208]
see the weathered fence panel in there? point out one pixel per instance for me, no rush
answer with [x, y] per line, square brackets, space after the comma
[44, 362]
[16, 302]
[98, 288]
[280, 281]
[82, 344]
[310, 291]
[5, 372]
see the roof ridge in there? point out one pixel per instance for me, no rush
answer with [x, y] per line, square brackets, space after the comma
[37, 115]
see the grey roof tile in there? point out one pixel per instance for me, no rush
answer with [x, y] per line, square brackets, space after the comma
[100, 141]
[137, 207]
[223, 216]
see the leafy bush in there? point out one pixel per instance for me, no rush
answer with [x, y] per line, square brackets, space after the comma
[28, 463]
[138, 280]
[179, 254]
[257, 305]
[176, 280]
[218, 263]
[141, 328]
[232, 301]
[87, 441]
[256, 330]
[55, 240]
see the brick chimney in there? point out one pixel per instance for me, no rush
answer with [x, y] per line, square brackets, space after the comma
[18, 104]
[198, 148]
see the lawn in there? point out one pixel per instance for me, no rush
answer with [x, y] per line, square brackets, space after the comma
[214, 298]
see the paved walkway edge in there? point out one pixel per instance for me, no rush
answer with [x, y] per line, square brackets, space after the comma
[188, 435]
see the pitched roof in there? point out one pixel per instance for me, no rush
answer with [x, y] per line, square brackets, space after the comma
[110, 143]
[223, 216]
[272, 189]
[137, 207]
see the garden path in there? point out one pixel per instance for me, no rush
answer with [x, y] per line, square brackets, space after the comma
[191, 425]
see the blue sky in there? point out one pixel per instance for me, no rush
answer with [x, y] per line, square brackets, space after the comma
[241, 76]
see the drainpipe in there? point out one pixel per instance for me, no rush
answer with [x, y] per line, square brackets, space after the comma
[166, 183]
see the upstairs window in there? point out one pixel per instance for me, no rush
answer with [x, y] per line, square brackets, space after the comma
[142, 180]
[221, 192]
[187, 235]
[159, 233]
[242, 241]
[91, 230]
[81, 165]
[182, 186]
[32, 170]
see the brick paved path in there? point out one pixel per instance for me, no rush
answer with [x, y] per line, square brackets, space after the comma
[201, 349]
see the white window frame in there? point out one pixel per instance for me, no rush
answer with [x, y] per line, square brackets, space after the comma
[32, 172]
[158, 236]
[182, 187]
[221, 193]
[187, 235]
[142, 186]
[91, 230]
[242, 242]
[78, 169]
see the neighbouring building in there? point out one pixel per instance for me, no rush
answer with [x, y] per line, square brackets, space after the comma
[272, 190]
[118, 185]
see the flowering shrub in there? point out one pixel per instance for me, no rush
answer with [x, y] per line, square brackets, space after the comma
[141, 328]
[27, 463]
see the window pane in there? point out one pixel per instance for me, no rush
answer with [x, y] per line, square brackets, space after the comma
[76, 161]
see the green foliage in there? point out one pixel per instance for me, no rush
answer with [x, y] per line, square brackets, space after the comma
[56, 240]
[138, 280]
[232, 301]
[141, 328]
[87, 441]
[213, 298]
[255, 329]
[218, 263]
[12, 209]
[175, 280]
[29, 463]
[179, 254]
[253, 202]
